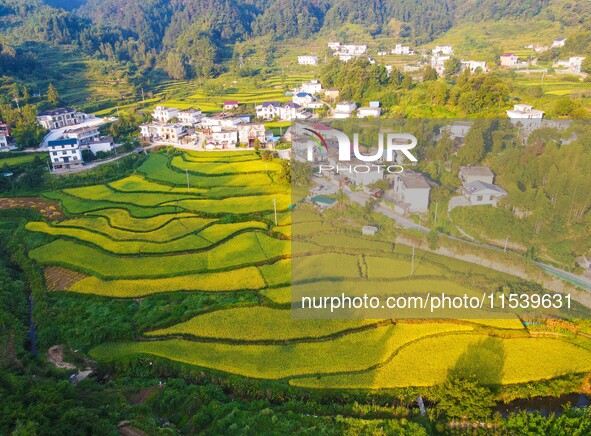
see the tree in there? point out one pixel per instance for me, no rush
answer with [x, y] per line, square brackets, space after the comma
[586, 65]
[175, 66]
[433, 239]
[465, 398]
[301, 173]
[473, 150]
[257, 144]
[429, 73]
[452, 66]
[27, 132]
[52, 95]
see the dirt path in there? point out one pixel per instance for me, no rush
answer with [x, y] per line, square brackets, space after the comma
[48, 209]
[55, 355]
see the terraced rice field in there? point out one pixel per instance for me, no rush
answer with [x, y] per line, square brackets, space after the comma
[147, 234]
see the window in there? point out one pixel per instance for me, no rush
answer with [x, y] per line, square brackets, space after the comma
[64, 152]
[479, 198]
[56, 160]
[55, 153]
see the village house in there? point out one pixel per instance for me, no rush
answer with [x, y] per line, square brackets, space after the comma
[411, 192]
[308, 60]
[572, 65]
[509, 60]
[443, 50]
[481, 193]
[62, 117]
[584, 262]
[64, 154]
[103, 144]
[4, 128]
[163, 114]
[469, 174]
[189, 117]
[371, 111]
[331, 93]
[248, 133]
[438, 63]
[311, 87]
[302, 98]
[526, 115]
[162, 132]
[230, 105]
[477, 188]
[344, 109]
[81, 134]
[457, 130]
[400, 49]
[474, 65]
[286, 112]
[334, 45]
[3, 142]
[558, 42]
[223, 136]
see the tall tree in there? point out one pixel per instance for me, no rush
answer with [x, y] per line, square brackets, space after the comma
[53, 96]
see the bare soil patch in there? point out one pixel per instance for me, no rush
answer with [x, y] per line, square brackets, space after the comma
[49, 209]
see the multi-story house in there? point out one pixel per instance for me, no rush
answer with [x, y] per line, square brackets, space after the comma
[64, 154]
[62, 117]
[164, 114]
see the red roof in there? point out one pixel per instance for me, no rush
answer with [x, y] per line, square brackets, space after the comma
[229, 102]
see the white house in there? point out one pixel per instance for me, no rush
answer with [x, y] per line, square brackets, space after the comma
[469, 174]
[368, 112]
[509, 60]
[287, 112]
[438, 63]
[481, 193]
[230, 105]
[162, 132]
[3, 142]
[335, 45]
[457, 129]
[64, 154]
[413, 189]
[558, 42]
[226, 137]
[572, 65]
[443, 50]
[311, 87]
[247, 133]
[189, 117]
[164, 114]
[302, 98]
[474, 65]
[62, 117]
[86, 133]
[344, 109]
[103, 143]
[526, 115]
[400, 49]
[308, 60]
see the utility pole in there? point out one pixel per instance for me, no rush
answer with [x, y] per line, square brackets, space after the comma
[506, 240]
[435, 220]
[188, 186]
[275, 209]
[143, 97]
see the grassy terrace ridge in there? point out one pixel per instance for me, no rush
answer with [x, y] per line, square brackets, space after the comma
[121, 219]
[264, 324]
[427, 362]
[242, 250]
[343, 354]
[239, 279]
[213, 168]
[192, 241]
[156, 168]
[174, 228]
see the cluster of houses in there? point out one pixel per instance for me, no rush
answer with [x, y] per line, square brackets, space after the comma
[442, 53]
[171, 125]
[348, 51]
[70, 133]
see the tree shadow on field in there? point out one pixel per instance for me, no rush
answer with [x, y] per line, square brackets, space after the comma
[482, 362]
